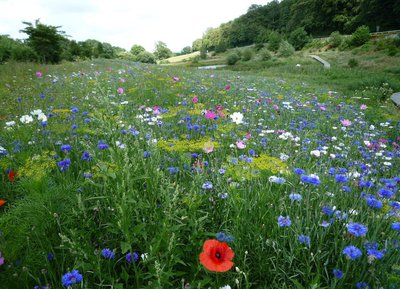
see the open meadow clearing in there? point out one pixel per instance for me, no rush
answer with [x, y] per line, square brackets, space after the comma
[118, 175]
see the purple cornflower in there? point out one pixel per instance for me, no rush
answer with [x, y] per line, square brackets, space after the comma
[108, 254]
[284, 221]
[327, 210]
[132, 257]
[357, 229]
[304, 239]
[352, 252]
[71, 278]
[338, 273]
[64, 164]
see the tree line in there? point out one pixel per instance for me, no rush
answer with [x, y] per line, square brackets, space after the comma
[300, 18]
[49, 44]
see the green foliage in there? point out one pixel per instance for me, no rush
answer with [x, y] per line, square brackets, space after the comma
[286, 49]
[161, 51]
[232, 58]
[265, 54]
[360, 36]
[24, 53]
[6, 46]
[299, 38]
[352, 62]
[136, 49]
[203, 52]
[247, 54]
[335, 39]
[186, 50]
[145, 57]
[45, 40]
[274, 41]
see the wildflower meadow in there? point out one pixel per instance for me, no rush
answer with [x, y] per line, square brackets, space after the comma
[115, 174]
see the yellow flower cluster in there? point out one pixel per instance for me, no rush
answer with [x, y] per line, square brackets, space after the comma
[38, 166]
[175, 145]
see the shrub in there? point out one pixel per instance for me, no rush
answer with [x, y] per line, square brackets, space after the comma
[232, 58]
[285, 49]
[146, 57]
[24, 53]
[360, 36]
[352, 62]
[259, 46]
[335, 39]
[299, 38]
[265, 54]
[247, 54]
[274, 40]
[203, 53]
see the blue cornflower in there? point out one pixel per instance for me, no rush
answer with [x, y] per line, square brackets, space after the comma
[396, 226]
[50, 256]
[352, 252]
[385, 193]
[221, 171]
[207, 185]
[298, 171]
[86, 156]
[146, 154]
[362, 285]
[173, 170]
[64, 164]
[284, 221]
[295, 197]
[222, 237]
[66, 148]
[376, 204]
[40, 287]
[371, 245]
[375, 254]
[108, 254]
[346, 189]
[341, 178]
[132, 257]
[338, 273]
[74, 126]
[327, 210]
[102, 146]
[304, 239]
[332, 171]
[311, 179]
[357, 229]
[71, 278]
[87, 175]
[87, 120]
[252, 152]
[74, 109]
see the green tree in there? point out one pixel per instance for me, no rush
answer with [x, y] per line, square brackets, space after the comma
[45, 40]
[299, 38]
[6, 46]
[136, 49]
[186, 50]
[162, 51]
[146, 57]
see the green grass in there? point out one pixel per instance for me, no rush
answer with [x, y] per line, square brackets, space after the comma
[156, 192]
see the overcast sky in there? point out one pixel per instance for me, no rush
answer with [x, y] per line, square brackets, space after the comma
[124, 22]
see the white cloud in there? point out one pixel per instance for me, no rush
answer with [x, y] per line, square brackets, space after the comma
[124, 22]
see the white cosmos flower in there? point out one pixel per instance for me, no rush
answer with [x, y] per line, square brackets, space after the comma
[36, 112]
[42, 117]
[237, 117]
[10, 123]
[26, 118]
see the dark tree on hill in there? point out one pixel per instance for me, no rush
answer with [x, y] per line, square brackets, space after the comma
[45, 40]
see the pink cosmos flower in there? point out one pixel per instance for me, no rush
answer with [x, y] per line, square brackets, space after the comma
[248, 135]
[363, 106]
[227, 87]
[175, 78]
[219, 108]
[120, 90]
[195, 99]
[276, 107]
[208, 147]
[322, 108]
[210, 114]
[39, 74]
[346, 122]
[240, 144]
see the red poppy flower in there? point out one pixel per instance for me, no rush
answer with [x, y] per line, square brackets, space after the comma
[216, 256]
[2, 202]
[11, 176]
